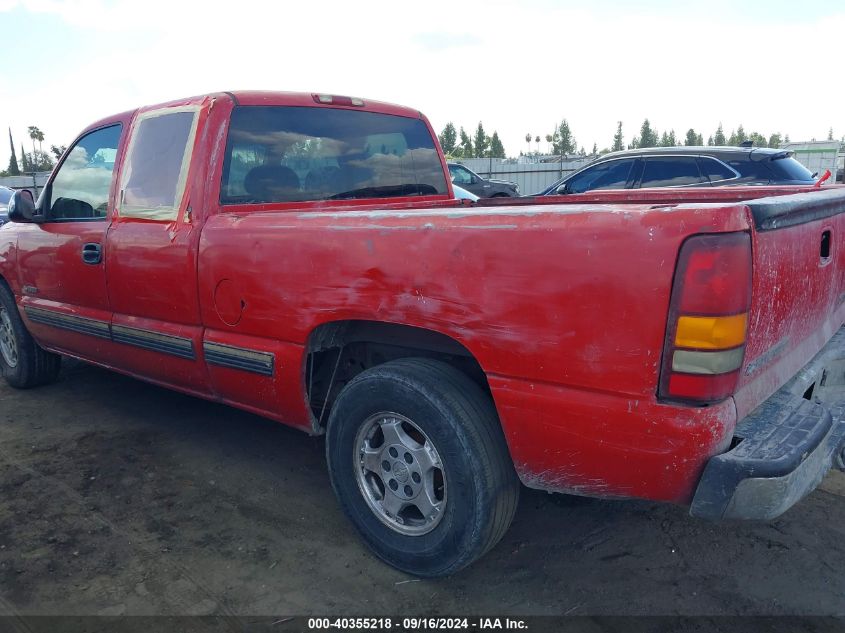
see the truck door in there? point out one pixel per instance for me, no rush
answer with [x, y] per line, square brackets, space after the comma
[151, 253]
[61, 268]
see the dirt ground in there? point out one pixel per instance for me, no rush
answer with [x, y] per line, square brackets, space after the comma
[117, 498]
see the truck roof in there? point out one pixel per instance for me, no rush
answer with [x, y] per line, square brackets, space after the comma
[267, 98]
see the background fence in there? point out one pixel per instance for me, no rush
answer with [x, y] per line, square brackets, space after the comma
[531, 177]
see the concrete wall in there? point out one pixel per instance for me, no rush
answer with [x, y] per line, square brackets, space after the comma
[34, 182]
[817, 156]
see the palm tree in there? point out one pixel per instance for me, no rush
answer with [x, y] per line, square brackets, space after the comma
[528, 140]
[36, 135]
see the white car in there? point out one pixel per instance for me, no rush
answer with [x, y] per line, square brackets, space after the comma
[463, 194]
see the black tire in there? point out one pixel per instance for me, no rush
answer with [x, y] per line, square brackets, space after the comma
[460, 421]
[34, 366]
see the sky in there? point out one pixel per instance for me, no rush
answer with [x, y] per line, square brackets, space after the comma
[517, 66]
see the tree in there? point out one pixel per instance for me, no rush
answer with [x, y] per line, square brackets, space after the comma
[700, 140]
[741, 136]
[719, 136]
[36, 135]
[25, 166]
[466, 144]
[497, 150]
[830, 134]
[774, 140]
[13, 169]
[648, 136]
[537, 140]
[480, 142]
[757, 139]
[38, 161]
[710, 140]
[595, 149]
[448, 139]
[786, 139]
[692, 138]
[618, 139]
[565, 141]
[58, 150]
[668, 139]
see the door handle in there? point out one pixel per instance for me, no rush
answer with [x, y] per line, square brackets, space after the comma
[92, 253]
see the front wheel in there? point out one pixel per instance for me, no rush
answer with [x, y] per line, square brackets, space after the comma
[419, 464]
[22, 361]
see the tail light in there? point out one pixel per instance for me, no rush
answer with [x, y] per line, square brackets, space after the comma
[708, 319]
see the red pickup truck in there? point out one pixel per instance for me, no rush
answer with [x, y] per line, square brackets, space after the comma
[302, 257]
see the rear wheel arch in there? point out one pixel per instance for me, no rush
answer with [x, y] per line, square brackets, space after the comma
[337, 351]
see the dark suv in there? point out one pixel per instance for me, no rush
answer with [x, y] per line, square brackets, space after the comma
[685, 167]
[482, 187]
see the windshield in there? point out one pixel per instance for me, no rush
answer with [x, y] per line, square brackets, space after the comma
[290, 154]
[6, 195]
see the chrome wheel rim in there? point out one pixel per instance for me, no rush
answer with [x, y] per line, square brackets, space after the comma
[400, 474]
[8, 344]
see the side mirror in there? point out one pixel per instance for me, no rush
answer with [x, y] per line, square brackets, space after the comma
[562, 190]
[22, 206]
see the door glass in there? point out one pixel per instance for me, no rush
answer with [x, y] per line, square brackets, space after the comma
[156, 166]
[671, 171]
[80, 189]
[610, 175]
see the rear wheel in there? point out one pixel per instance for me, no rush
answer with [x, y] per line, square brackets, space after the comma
[23, 363]
[419, 463]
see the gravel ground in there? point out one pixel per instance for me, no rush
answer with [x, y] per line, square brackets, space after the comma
[117, 498]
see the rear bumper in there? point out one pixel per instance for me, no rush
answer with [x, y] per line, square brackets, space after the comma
[785, 446]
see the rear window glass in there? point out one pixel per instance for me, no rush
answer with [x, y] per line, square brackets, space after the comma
[714, 169]
[670, 172]
[291, 154]
[787, 168]
[763, 169]
[5, 195]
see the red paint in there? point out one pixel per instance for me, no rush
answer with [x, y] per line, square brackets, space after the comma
[563, 301]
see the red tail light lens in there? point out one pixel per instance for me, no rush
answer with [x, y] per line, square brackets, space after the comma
[708, 314]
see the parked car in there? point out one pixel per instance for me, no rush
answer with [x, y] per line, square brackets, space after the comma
[685, 167]
[463, 194]
[302, 257]
[5, 196]
[482, 187]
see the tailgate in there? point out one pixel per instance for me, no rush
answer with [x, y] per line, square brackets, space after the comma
[798, 288]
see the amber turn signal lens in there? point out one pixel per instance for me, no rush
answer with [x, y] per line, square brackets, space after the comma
[711, 332]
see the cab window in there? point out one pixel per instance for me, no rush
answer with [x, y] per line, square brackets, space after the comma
[156, 166]
[80, 189]
[297, 154]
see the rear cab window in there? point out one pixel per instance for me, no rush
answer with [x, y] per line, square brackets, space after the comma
[299, 153]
